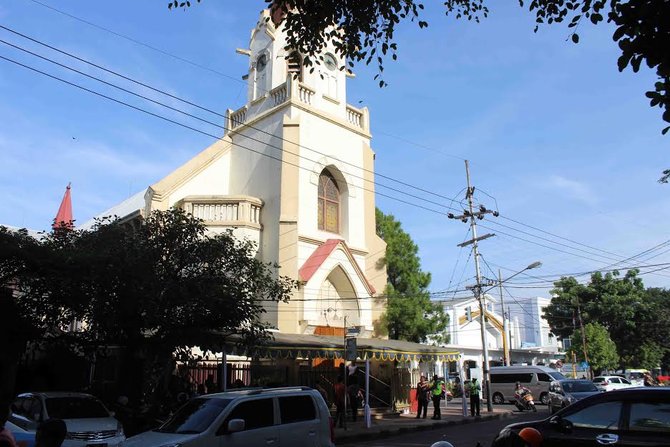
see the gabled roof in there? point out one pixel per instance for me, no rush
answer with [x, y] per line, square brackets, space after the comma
[322, 253]
[129, 206]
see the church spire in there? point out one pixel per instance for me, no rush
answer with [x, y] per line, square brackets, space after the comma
[64, 218]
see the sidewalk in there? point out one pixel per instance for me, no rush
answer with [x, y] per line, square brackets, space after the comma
[406, 423]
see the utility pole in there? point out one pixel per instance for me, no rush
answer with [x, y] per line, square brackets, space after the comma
[506, 346]
[584, 347]
[472, 216]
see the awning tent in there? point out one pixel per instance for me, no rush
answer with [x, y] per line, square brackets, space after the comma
[285, 346]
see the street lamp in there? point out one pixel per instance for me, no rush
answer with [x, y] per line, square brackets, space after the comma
[487, 375]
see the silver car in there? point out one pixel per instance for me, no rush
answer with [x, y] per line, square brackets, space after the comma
[568, 391]
[286, 417]
[88, 422]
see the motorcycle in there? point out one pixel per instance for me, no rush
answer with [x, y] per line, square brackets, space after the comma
[524, 400]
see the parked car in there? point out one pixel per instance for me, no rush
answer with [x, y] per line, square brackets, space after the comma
[535, 378]
[88, 422]
[566, 392]
[609, 383]
[635, 417]
[289, 416]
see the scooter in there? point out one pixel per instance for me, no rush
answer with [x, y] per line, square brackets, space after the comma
[524, 400]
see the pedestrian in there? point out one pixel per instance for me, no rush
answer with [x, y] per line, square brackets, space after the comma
[436, 388]
[340, 396]
[354, 393]
[50, 433]
[422, 392]
[474, 397]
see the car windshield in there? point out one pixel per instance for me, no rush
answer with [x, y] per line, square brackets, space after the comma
[194, 417]
[579, 387]
[557, 375]
[636, 375]
[72, 407]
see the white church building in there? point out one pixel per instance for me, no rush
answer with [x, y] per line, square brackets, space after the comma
[294, 172]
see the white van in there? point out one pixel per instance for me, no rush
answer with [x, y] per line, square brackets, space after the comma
[535, 378]
[279, 417]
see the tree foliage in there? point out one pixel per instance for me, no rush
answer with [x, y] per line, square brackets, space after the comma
[622, 306]
[364, 31]
[153, 290]
[601, 350]
[410, 314]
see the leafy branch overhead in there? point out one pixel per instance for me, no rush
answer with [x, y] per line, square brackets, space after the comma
[364, 30]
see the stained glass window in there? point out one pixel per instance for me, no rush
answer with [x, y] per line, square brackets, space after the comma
[329, 203]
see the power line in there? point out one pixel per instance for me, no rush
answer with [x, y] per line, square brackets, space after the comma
[218, 114]
[139, 109]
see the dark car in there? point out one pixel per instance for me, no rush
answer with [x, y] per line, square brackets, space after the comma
[568, 391]
[635, 417]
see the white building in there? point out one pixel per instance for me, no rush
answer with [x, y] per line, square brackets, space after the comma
[294, 173]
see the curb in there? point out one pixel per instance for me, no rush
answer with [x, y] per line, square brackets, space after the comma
[385, 432]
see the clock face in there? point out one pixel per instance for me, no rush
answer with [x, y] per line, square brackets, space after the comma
[261, 62]
[330, 62]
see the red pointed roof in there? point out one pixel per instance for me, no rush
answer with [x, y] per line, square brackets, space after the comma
[64, 216]
[321, 254]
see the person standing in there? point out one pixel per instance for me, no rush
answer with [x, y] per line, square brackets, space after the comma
[474, 397]
[50, 433]
[340, 393]
[422, 393]
[355, 399]
[436, 388]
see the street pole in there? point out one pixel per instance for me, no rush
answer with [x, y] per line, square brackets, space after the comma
[478, 289]
[506, 347]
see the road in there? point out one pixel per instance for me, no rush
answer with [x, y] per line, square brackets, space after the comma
[466, 435]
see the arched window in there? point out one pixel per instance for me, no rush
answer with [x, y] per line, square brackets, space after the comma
[294, 65]
[329, 203]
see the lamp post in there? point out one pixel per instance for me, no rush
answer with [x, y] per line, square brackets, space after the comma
[482, 320]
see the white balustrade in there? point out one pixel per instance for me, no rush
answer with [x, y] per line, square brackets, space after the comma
[279, 94]
[238, 117]
[305, 94]
[355, 116]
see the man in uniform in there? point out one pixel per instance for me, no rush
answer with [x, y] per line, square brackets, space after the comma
[474, 397]
[436, 395]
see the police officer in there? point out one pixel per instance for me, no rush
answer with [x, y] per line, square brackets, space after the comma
[436, 395]
[474, 389]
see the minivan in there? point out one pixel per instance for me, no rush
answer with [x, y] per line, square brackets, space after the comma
[536, 378]
[288, 417]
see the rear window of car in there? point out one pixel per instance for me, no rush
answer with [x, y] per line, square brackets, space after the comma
[598, 379]
[557, 376]
[195, 416]
[650, 416]
[296, 409]
[75, 408]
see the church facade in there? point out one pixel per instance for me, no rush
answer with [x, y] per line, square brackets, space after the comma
[294, 172]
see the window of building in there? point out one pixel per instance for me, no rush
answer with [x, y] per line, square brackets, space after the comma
[294, 65]
[329, 203]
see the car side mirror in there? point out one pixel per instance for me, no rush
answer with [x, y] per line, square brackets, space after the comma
[235, 425]
[562, 425]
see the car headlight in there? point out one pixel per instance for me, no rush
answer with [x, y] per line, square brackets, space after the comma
[572, 399]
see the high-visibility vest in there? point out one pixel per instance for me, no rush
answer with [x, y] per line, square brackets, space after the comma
[474, 389]
[437, 388]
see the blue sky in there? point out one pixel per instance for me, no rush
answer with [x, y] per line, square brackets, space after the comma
[556, 136]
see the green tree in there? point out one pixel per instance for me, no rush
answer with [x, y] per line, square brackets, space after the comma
[642, 29]
[153, 291]
[600, 347]
[410, 314]
[621, 305]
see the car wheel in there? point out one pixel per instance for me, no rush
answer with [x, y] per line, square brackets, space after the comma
[544, 398]
[498, 399]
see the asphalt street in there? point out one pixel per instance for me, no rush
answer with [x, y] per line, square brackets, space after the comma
[466, 435]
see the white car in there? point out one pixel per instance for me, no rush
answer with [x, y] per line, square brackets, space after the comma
[280, 417]
[609, 383]
[88, 422]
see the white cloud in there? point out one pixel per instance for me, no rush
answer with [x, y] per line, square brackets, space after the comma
[573, 189]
